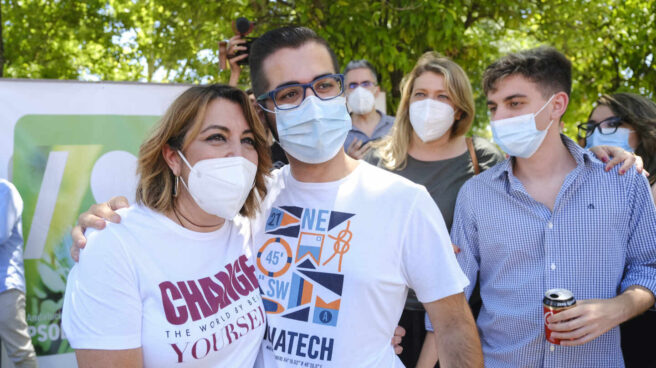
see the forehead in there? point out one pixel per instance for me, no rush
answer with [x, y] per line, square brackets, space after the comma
[359, 75]
[601, 113]
[429, 80]
[297, 65]
[515, 84]
[225, 113]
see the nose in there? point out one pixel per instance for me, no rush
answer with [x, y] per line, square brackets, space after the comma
[311, 90]
[235, 148]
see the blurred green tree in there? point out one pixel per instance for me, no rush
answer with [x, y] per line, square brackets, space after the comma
[611, 43]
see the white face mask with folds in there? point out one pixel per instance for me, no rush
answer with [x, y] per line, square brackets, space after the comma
[220, 186]
[361, 101]
[315, 131]
[431, 119]
[518, 136]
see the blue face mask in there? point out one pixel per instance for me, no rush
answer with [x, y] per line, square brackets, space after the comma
[315, 131]
[518, 136]
[618, 139]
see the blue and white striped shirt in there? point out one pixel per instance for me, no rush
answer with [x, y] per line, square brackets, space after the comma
[599, 240]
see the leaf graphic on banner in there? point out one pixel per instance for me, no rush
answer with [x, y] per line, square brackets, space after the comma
[51, 278]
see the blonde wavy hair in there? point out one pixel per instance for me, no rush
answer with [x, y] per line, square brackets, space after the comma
[179, 126]
[393, 149]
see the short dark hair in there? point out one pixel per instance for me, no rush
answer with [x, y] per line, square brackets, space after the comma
[361, 64]
[274, 40]
[545, 66]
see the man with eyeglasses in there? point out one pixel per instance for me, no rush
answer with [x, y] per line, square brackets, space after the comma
[339, 241]
[369, 123]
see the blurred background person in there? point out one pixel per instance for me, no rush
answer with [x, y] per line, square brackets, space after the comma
[624, 120]
[234, 46]
[428, 146]
[628, 120]
[13, 324]
[369, 124]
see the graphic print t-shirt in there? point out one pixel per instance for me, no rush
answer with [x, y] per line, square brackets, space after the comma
[335, 260]
[188, 299]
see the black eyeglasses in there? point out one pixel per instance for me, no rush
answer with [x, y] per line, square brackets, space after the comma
[291, 96]
[607, 126]
[365, 84]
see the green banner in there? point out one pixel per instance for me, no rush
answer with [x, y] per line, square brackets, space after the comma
[62, 164]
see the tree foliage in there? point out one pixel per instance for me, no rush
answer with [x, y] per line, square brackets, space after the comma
[611, 43]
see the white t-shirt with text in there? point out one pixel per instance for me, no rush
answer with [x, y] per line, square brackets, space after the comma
[188, 299]
[335, 260]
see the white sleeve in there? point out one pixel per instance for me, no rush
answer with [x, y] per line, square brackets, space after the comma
[429, 263]
[102, 305]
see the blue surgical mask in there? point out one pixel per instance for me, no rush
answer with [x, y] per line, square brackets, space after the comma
[618, 139]
[315, 131]
[518, 136]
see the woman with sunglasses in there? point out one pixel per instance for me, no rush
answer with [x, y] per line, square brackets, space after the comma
[628, 120]
[624, 120]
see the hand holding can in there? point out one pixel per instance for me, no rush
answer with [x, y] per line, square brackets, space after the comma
[554, 302]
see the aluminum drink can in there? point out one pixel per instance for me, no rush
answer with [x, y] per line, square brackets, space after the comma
[554, 302]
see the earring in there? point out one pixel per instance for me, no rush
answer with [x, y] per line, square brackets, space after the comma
[175, 186]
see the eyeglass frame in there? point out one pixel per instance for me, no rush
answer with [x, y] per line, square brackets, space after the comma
[365, 84]
[304, 86]
[597, 126]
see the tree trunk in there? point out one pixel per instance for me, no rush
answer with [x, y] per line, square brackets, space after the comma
[2, 48]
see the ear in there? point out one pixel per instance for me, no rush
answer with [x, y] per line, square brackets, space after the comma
[172, 159]
[377, 90]
[458, 115]
[560, 102]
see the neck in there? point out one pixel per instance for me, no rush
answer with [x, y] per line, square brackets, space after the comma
[187, 214]
[334, 169]
[442, 148]
[551, 160]
[370, 118]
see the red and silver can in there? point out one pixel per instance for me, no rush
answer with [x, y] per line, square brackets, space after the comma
[554, 302]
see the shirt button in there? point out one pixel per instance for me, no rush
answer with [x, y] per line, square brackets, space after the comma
[552, 348]
[553, 266]
[550, 225]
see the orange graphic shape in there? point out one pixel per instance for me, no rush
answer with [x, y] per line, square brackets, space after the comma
[332, 305]
[345, 237]
[288, 219]
[306, 297]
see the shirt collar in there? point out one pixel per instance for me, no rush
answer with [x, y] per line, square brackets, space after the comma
[581, 156]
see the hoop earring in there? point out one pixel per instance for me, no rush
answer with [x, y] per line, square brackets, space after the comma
[175, 187]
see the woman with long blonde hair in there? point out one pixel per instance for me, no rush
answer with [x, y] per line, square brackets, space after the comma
[428, 145]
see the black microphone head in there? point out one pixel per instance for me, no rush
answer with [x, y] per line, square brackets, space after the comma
[243, 26]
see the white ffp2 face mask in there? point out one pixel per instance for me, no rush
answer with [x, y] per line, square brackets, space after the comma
[518, 136]
[361, 101]
[431, 119]
[314, 131]
[220, 186]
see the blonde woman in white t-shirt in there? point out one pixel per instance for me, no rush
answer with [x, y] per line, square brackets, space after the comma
[173, 284]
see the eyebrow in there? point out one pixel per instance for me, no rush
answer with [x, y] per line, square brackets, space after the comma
[297, 82]
[225, 129]
[214, 126]
[490, 102]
